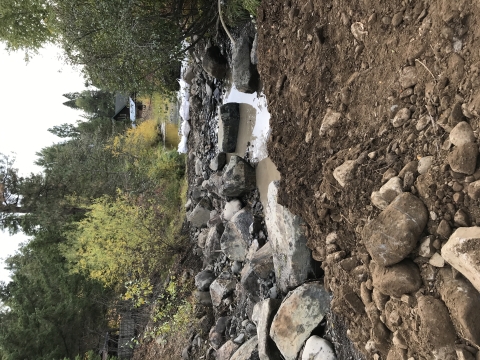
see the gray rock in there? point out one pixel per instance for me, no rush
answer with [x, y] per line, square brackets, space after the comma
[426, 248]
[401, 117]
[330, 120]
[245, 74]
[202, 238]
[263, 312]
[440, 339]
[216, 339]
[444, 230]
[218, 162]
[463, 159]
[250, 330]
[236, 267]
[424, 164]
[239, 177]
[214, 184]
[186, 352]
[292, 258]
[214, 63]
[345, 172]
[437, 261]
[222, 324]
[395, 232]
[462, 252]
[253, 52]
[197, 194]
[408, 77]
[462, 134]
[422, 122]
[259, 267]
[226, 351]
[229, 122]
[461, 219]
[240, 339]
[234, 241]
[412, 167]
[203, 280]
[248, 351]
[317, 348]
[387, 193]
[301, 311]
[201, 214]
[398, 279]
[212, 243]
[198, 167]
[220, 289]
[456, 115]
[474, 190]
[189, 75]
[231, 208]
[203, 298]
[462, 300]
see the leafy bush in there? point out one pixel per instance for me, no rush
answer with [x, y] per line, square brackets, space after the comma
[119, 240]
[173, 310]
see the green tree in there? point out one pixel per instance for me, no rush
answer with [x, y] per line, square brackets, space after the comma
[131, 45]
[50, 313]
[26, 24]
[95, 103]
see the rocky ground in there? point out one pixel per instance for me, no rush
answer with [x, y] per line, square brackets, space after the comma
[375, 119]
[374, 130]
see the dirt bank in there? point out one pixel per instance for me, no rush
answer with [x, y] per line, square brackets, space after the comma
[367, 60]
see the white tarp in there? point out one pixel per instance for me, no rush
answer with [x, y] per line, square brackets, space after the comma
[132, 109]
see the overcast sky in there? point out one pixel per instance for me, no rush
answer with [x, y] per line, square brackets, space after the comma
[31, 103]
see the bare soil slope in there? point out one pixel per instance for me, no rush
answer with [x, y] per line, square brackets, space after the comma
[366, 60]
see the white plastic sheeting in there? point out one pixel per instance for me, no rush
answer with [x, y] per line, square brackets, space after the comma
[184, 95]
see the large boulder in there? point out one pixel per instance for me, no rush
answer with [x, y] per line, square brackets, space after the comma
[395, 232]
[245, 74]
[248, 351]
[263, 313]
[299, 314]
[292, 258]
[238, 178]
[463, 302]
[436, 331]
[201, 214]
[396, 280]
[214, 63]
[228, 125]
[234, 241]
[462, 251]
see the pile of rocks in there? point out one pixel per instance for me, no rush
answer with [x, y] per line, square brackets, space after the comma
[252, 257]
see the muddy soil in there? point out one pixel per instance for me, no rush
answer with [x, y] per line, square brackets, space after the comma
[366, 60]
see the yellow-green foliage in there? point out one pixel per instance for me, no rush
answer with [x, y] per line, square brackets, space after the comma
[138, 291]
[139, 147]
[118, 240]
[136, 142]
[173, 310]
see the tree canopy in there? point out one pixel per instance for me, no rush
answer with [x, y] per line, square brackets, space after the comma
[121, 45]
